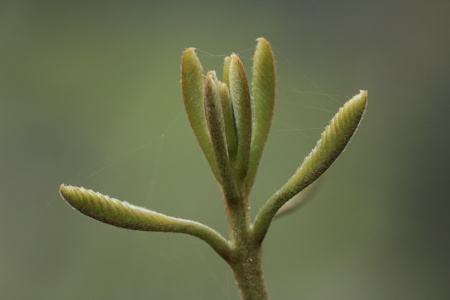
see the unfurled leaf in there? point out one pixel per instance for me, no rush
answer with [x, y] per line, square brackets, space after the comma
[122, 214]
[118, 213]
[331, 144]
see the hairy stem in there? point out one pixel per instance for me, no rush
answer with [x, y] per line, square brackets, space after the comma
[245, 257]
[249, 275]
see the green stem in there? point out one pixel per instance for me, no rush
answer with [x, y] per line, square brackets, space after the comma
[249, 275]
[245, 254]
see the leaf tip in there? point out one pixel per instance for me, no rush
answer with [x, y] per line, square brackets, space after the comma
[362, 96]
[234, 58]
[77, 197]
[189, 51]
[66, 192]
[262, 40]
[190, 61]
[357, 104]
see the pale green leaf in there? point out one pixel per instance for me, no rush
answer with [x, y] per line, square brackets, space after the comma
[216, 126]
[331, 144]
[192, 85]
[122, 214]
[226, 70]
[263, 101]
[228, 118]
[240, 96]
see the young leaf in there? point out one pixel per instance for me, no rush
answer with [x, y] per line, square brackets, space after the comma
[216, 126]
[228, 119]
[226, 70]
[331, 144]
[122, 214]
[263, 89]
[240, 96]
[193, 97]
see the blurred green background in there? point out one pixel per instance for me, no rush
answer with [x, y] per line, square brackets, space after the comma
[90, 96]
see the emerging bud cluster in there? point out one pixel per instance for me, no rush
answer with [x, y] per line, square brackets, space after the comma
[230, 124]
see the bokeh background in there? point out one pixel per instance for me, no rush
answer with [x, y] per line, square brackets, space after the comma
[90, 96]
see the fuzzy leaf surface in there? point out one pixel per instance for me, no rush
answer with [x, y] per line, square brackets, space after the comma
[333, 141]
[122, 214]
